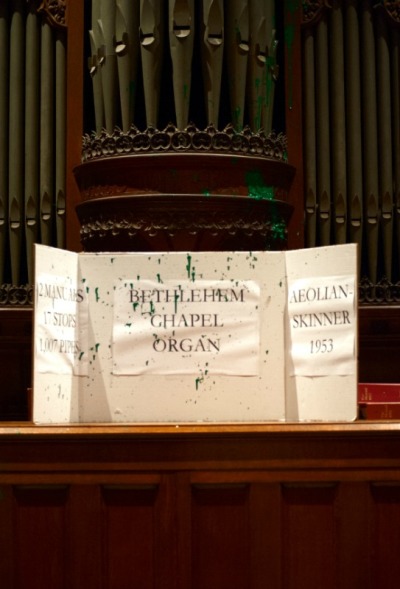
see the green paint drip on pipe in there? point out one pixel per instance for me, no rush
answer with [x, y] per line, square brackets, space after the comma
[268, 80]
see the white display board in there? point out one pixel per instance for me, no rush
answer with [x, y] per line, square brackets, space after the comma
[188, 337]
[321, 334]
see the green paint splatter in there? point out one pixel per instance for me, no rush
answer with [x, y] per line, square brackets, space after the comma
[189, 264]
[96, 292]
[159, 280]
[278, 230]
[176, 300]
[81, 355]
[135, 305]
[237, 119]
[128, 324]
[257, 119]
[256, 186]
[200, 379]
[97, 347]
[269, 69]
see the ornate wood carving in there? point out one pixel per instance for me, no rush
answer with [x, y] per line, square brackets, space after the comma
[16, 296]
[392, 8]
[191, 139]
[313, 9]
[54, 10]
[179, 222]
[382, 293]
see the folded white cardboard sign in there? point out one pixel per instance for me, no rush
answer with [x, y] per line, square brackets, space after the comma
[194, 337]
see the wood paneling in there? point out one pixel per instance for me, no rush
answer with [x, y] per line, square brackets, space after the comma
[39, 536]
[220, 536]
[385, 534]
[128, 517]
[309, 535]
[283, 506]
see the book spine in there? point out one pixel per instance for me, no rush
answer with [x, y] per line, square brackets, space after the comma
[379, 392]
[380, 411]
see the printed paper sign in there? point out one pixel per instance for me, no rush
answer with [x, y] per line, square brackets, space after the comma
[61, 326]
[322, 325]
[180, 327]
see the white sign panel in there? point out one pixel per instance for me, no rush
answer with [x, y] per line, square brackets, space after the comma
[322, 322]
[179, 326]
[61, 326]
[183, 337]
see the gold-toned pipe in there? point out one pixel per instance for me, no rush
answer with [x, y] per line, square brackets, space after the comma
[212, 51]
[385, 140]
[339, 191]
[238, 46]
[127, 51]
[95, 66]
[60, 136]
[32, 134]
[151, 46]
[4, 79]
[108, 62]
[272, 68]
[323, 133]
[47, 134]
[395, 75]
[310, 157]
[271, 77]
[16, 136]
[181, 42]
[258, 54]
[370, 141]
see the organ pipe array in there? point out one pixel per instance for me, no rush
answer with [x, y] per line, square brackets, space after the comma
[148, 35]
[351, 108]
[32, 137]
[351, 90]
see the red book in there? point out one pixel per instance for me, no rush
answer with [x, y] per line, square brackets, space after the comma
[378, 392]
[380, 411]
